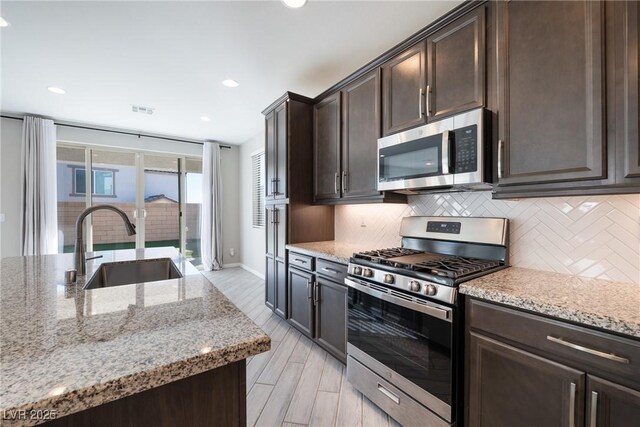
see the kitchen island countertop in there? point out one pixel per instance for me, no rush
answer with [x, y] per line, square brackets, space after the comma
[67, 349]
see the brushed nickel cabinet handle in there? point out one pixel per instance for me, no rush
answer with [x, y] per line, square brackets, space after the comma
[500, 149]
[309, 288]
[344, 181]
[591, 351]
[301, 261]
[428, 100]
[316, 296]
[382, 389]
[330, 270]
[420, 103]
[593, 413]
[572, 405]
[335, 183]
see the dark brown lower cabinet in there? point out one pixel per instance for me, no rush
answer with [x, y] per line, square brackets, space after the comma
[301, 300]
[611, 405]
[511, 387]
[209, 399]
[331, 316]
[317, 302]
[270, 283]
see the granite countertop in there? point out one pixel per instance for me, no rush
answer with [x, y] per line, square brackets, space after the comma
[331, 249]
[66, 349]
[613, 306]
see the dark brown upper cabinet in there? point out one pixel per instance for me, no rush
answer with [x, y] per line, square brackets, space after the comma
[347, 128]
[326, 139]
[551, 82]
[627, 51]
[360, 133]
[270, 154]
[456, 66]
[404, 81]
[276, 152]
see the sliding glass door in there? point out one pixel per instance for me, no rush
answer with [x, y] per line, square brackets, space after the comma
[161, 193]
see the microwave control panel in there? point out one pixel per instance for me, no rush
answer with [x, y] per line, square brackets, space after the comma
[466, 149]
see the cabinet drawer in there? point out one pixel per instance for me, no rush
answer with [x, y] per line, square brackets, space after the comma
[386, 396]
[591, 350]
[304, 262]
[332, 270]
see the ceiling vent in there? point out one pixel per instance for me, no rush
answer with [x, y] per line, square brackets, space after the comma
[142, 110]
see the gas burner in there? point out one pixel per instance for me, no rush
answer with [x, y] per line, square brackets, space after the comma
[455, 267]
[379, 255]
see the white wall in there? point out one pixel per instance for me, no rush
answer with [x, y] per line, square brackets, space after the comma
[10, 137]
[253, 239]
[10, 142]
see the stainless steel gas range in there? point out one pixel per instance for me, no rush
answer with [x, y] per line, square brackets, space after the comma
[405, 342]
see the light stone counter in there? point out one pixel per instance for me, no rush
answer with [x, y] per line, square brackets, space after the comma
[613, 306]
[331, 250]
[66, 349]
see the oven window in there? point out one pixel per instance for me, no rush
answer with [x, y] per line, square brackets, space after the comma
[414, 159]
[413, 344]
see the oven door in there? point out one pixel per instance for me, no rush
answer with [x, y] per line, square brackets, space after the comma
[405, 342]
[417, 158]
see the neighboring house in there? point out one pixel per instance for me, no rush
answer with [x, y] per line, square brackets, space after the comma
[113, 184]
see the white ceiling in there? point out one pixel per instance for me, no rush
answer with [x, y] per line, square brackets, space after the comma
[172, 56]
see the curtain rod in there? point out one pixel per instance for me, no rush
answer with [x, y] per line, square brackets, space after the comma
[139, 135]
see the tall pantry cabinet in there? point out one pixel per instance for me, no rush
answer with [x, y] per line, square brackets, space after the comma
[290, 216]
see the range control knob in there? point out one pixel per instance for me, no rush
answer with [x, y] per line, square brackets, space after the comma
[430, 290]
[388, 278]
[357, 270]
[414, 285]
[367, 272]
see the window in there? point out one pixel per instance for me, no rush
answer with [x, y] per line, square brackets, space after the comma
[102, 183]
[257, 190]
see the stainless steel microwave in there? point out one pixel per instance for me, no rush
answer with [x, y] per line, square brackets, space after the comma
[440, 155]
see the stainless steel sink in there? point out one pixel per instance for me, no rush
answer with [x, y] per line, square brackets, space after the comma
[130, 272]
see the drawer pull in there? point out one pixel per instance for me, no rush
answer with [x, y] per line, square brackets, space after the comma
[594, 410]
[330, 270]
[588, 350]
[382, 389]
[572, 405]
[302, 261]
[309, 289]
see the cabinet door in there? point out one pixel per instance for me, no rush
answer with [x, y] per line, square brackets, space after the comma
[301, 300]
[281, 288]
[270, 154]
[360, 133]
[280, 231]
[331, 316]
[404, 80]
[551, 103]
[327, 148]
[281, 136]
[456, 66]
[270, 282]
[611, 405]
[270, 232]
[510, 387]
[626, 22]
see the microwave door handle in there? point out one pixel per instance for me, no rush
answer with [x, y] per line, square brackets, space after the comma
[445, 153]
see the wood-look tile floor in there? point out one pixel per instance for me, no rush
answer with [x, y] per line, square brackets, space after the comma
[296, 383]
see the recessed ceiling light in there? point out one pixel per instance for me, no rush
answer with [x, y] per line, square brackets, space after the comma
[205, 118]
[294, 4]
[3, 23]
[230, 83]
[57, 90]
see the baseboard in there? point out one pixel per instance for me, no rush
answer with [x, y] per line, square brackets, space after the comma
[232, 265]
[252, 271]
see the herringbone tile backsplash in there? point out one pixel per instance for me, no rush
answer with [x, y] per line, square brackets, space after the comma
[592, 236]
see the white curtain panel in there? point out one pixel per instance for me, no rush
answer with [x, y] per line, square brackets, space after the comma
[211, 226]
[39, 216]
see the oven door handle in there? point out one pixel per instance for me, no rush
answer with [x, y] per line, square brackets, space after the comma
[429, 309]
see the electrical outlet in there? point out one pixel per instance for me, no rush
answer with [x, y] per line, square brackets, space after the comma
[232, 252]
